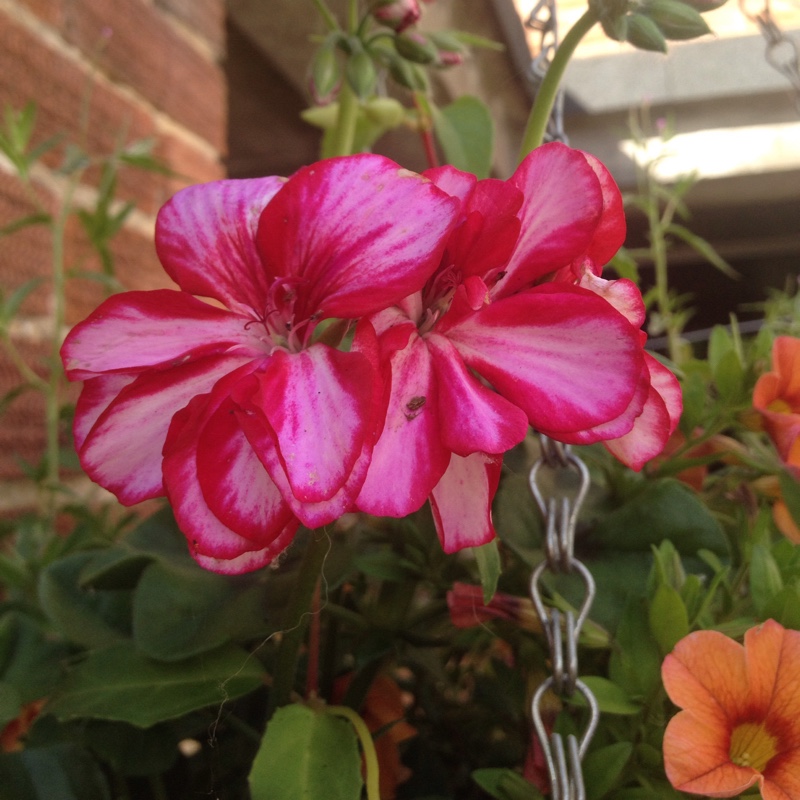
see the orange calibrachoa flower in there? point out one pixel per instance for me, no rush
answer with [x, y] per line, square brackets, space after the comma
[777, 397]
[740, 723]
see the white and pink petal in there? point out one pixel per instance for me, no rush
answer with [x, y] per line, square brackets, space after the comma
[319, 404]
[205, 238]
[359, 233]
[561, 354]
[211, 542]
[562, 208]
[409, 457]
[122, 451]
[462, 501]
[137, 331]
[472, 417]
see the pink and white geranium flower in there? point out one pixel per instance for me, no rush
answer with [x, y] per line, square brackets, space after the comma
[242, 415]
[514, 328]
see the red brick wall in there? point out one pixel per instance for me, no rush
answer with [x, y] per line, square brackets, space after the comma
[154, 71]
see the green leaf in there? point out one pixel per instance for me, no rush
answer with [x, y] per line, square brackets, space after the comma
[784, 607]
[669, 619]
[473, 40]
[505, 784]
[307, 755]
[25, 222]
[10, 703]
[790, 491]
[465, 131]
[385, 565]
[91, 618]
[17, 298]
[635, 660]
[59, 772]
[729, 377]
[611, 698]
[29, 659]
[487, 557]
[119, 683]
[765, 578]
[181, 610]
[664, 509]
[603, 767]
[132, 751]
[720, 343]
[703, 248]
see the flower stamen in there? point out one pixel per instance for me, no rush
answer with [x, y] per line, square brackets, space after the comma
[752, 746]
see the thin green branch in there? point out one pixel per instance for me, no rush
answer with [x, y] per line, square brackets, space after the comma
[327, 15]
[546, 96]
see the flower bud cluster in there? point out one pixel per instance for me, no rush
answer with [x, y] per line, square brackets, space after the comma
[648, 24]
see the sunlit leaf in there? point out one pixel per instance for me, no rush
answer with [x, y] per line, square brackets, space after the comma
[307, 755]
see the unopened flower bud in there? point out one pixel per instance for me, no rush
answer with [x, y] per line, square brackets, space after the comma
[397, 14]
[645, 34]
[467, 609]
[449, 49]
[360, 73]
[675, 19]
[408, 75]
[415, 47]
[706, 5]
[326, 74]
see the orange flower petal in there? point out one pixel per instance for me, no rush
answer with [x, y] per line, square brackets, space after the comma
[696, 758]
[773, 656]
[706, 673]
[785, 522]
[782, 777]
[786, 362]
[767, 388]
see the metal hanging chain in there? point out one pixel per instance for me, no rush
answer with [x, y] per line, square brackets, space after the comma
[561, 516]
[782, 52]
[544, 20]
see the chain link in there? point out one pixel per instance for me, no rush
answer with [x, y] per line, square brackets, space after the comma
[562, 630]
[782, 53]
[544, 20]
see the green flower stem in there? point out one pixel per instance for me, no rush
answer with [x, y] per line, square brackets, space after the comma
[53, 393]
[546, 96]
[345, 131]
[327, 15]
[367, 748]
[296, 619]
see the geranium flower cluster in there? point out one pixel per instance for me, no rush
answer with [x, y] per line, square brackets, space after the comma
[375, 339]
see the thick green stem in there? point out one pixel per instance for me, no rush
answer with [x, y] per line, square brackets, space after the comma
[546, 96]
[296, 620]
[345, 132]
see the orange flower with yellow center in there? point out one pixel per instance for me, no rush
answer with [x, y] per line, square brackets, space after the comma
[740, 723]
[777, 397]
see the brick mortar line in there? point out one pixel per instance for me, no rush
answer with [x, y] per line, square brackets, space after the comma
[163, 122]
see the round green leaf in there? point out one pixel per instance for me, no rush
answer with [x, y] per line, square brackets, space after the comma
[307, 755]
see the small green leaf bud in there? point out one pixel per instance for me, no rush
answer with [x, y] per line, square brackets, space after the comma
[676, 20]
[361, 75]
[645, 34]
[415, 47]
